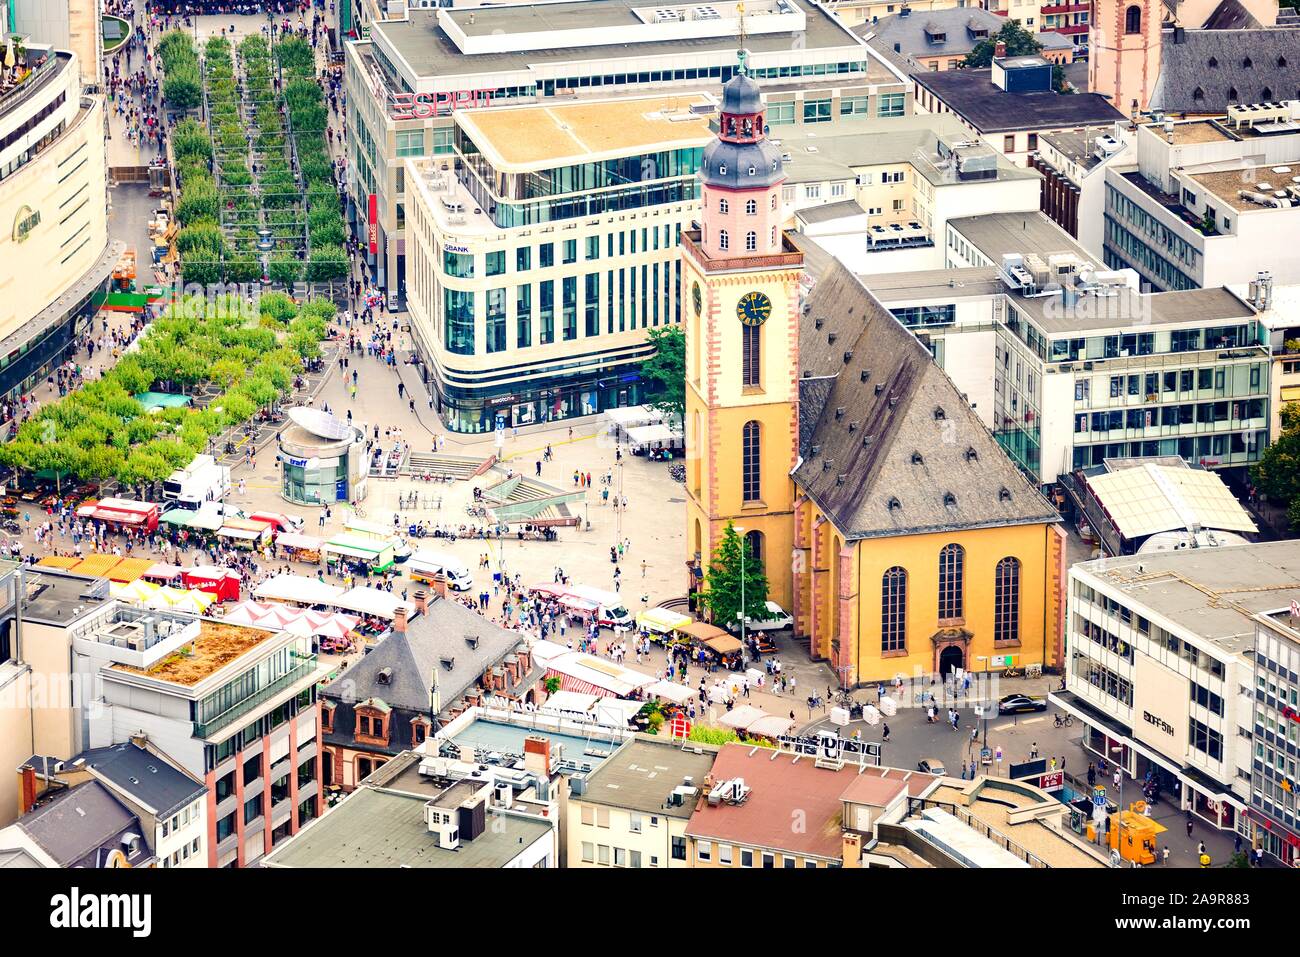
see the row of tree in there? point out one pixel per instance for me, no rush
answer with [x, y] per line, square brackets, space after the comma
[101, 431]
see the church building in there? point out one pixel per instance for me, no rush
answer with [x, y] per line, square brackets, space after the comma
[885, 514]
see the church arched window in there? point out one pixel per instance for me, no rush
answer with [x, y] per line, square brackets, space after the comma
[751, 241]
[1133, 19]
[751, 207]
[723, 241]
[774, 200]
[723, 206]
[749, 462]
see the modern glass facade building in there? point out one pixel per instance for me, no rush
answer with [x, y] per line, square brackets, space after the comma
[543, 251]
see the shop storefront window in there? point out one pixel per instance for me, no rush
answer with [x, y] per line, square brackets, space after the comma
[459, 316]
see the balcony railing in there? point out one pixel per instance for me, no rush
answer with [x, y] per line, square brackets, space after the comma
[307, 665]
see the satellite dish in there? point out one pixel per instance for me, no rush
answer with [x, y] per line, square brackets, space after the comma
[320, 423]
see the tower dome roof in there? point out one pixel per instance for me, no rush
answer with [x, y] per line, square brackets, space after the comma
[740, 95]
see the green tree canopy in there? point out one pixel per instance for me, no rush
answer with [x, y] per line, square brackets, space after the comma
[723, 580]
[665, 371]
[1277, 474]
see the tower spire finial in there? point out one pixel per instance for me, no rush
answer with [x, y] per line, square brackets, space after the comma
[740, 53]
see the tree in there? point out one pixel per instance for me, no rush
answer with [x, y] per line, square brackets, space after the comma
[665, 371]
[723, 581]
[1277, 474]
[181, 88]
[1019, 42]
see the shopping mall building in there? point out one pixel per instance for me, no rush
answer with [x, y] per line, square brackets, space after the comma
[54, 244]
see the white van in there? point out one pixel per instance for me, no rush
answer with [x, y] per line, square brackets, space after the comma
[610, 609]
[436, 566]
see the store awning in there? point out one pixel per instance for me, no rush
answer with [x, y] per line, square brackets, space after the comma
[700, 630]
[245, 534]
[372, 601]
[671, 691]
[653, 434]
[352, 550]
[723, 644]
[298, 588]
[307, 542]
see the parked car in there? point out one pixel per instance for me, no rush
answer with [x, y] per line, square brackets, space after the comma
[932, 766]
[1020, 704]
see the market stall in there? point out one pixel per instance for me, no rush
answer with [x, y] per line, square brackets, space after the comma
[300, 548]
[588, 674]
[741, 717]
[649, 439]
[372, 601]
[129, 569]
[122, 513]
[661, 621]
[365, 556]
[202, 520]
[244, 533]
[671, 691]
[298, 590]
[66, 562]
[628, 417]
[96, 565]
[133, 593]
[163, 573]
[222, 582]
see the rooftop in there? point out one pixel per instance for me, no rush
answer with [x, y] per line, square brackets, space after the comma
[540, 137]
[1228, 184]
[82, 825]
[57, 597]
[1209, 592]
[943, 33]
[944, 284]
[1148, 497]
[150, 780]
[374, 827]
[428, 50]
[643, 772]
[784, 785]
[1206, 71]
[1080, 146]
[997, 234]
[973, 95]
[896, 449]
[217, 645]
[484, 738]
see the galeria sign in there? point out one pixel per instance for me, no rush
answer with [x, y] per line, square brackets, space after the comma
[415, 106]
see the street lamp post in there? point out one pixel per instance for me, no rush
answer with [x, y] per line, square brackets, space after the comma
[741, 532]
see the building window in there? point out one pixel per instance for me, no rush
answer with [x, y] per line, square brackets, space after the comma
[951, 561]
[750, 462]
[751, 356]
[1009, 143]
[410, 142]
[754, 546]
[817, 111]
[723, 241]
[751, 241]
[1006, 600]
[1133, 19]
[751, 207]
[893, 609]
[723, 206]
[890, 104]
[679, 848]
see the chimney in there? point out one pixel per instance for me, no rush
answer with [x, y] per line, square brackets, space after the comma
[525, 661]
[851, 850]
[421, 601]
[26, 788]
[537, 755]
[399, 621]
[140, 739]
[999, 50]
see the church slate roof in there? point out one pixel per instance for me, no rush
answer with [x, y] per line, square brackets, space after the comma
[1249, 66]
[1231, 15]
[895, 448]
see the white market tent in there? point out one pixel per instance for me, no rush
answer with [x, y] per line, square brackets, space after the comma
[298, 588]
[544, 651]
[633, 415]
[616, 712]
[653, 434]
[290, 540]
[738, 719]
[671, 691]
[770, 726]
[570, 702]
[371, 601]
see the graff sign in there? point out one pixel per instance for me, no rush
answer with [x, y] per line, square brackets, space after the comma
[415, 106]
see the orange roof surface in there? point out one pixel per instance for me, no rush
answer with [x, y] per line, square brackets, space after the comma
[96, 565]
[129, 569]
[59, 561]
[783, 786]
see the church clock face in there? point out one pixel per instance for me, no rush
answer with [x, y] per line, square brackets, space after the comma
[697, 298]
[754, 308]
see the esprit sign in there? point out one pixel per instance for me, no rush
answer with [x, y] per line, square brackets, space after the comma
[417, 106]
[26, 220]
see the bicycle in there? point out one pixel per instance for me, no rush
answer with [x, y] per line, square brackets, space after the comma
[1063, 720]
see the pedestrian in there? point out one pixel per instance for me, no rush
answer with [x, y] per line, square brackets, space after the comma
[1164, 855]
[884, 732]
[1033, 751]
[1189, 827]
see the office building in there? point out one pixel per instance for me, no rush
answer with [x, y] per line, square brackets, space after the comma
[407, 79]
[1167, 674]
[543, 249]
[633, 810]
[1273, 708]
[1084, 366]
[1010, 104]
[1203, 201]
[427, 811]
[53, 204]
[1073, 166]
[878, 194]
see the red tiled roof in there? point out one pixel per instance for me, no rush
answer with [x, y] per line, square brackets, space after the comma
[785, 792]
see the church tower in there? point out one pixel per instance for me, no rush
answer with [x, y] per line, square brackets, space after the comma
[741, 283]
[1124, 51]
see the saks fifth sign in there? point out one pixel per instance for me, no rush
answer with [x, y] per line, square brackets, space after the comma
[417, 106]
[1158, 722]
[26, 220]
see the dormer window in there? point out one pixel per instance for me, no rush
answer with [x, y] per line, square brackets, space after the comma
[949, 500]
[939, 414]
[752, 171]
[894, 505]
[1247, 63]
[1214, 63]
[917, 459]
[722, 169]
[1004, 494]
[972, 455]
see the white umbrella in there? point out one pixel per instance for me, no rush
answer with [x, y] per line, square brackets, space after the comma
[245, 613]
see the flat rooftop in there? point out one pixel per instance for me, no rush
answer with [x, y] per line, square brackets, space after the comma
[1197, 131]
[1182, 307]
[990, 109]
[997, 234]
[508, 740]
[1227, 184]
[379, 828]
[1078, 146]
[525, 138]
[1211, 592]
[990, 805]
[60, 597]
[926, 284]
[217, 645]
[641, 775]
[429, 52]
